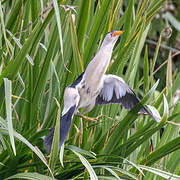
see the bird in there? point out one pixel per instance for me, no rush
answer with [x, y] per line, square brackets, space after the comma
[94, 87]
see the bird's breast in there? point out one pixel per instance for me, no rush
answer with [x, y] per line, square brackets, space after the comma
[87, 94]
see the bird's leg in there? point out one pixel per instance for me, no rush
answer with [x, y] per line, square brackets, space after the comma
[88, 118]
[79, 133]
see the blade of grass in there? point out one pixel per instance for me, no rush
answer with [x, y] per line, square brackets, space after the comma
[172, 20]
[82, 151]
[14, 14]
[95, 30]
[76, 53]
[83, 22]
[135, 59]
[155, 58]
[88, 166]
[3, 27]
[55, 144]
[117, 172]
[146, 71]
[14, 65]
[55, 5]
[30, 176]
[25, 141]
[43, 74]
[20, 46]
[167, 148]
[8, 93]
[127, 24]
[169, 79]
[34, 9]
[164, 174]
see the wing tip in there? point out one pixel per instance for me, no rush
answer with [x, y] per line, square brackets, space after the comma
[65, 123]
[48, 141]
[155, 118]
[152, 113]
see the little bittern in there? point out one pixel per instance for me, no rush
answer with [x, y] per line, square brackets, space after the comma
[94, 87]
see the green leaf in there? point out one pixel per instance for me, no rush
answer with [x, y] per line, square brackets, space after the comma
[135, 59]
[8, 94]
[96, 27]
[55, 144]
[146, 71]
[76, 53]
[172, 20]
[34, 149]
[14, 65]
[58, 25]
[30, 176]
[164, 174]
[115, 171]
[83, 21]
[88, 166]
[82, 151]
[44, 72]
[20, 46]
[127, 24]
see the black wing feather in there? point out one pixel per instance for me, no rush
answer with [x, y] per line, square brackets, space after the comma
[128, 101]
[65, 123]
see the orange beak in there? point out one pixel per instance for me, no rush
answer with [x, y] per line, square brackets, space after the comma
[117, 33]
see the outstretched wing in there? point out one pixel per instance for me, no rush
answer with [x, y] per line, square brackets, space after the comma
[71, 100]
[116, 91]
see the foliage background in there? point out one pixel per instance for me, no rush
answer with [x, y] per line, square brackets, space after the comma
[45, 45]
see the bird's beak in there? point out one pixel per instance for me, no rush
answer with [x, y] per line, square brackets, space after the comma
[117, 33]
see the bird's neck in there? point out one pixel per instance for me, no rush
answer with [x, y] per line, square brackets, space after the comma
[106, 48]
[104, 55]
[101, 61]
[97, 68]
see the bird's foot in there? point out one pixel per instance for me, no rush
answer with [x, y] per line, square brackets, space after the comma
[93, 119]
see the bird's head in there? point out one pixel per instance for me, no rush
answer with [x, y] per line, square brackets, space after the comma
[112, 37]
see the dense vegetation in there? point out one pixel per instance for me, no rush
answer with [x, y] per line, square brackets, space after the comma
[45, 45]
